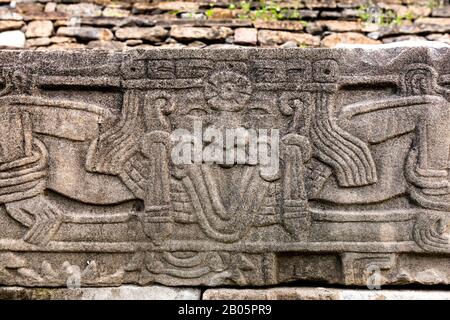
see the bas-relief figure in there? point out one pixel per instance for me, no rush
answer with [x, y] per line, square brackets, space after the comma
[88, 184]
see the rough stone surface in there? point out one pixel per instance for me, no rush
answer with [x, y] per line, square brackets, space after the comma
[106, 44]
[60, 39]
[270, 38]
[38, 42]
[406, 38]
[341, 26]
[12, 39]
[441, 11]
[246, 36]
[445, 38]
[115, 12]
[110, 293]
[346, 38]
[385, 21]
[85, 33]
[356, 191]
[6, 14]
[38, 29]
[184, 33]
[80, 9]
[50, 7]
[66, 45]
[183, 6]
[153, 34]
[293, 293]
[10, 25]
[279, 25]
[431, 25]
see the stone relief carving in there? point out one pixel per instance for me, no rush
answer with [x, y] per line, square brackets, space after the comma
[87, 167]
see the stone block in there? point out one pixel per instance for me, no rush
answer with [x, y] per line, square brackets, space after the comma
[38, 42]
[153, 34]
[334, 39]
[340, 26]
[194, 33]
[443, 11]
[8, 14]
[245, 36]
[12, 39]
[80, 9]
[293, 293]
[36, 29]
[109, 293]
[85, 33]
[115, 12]
[6, 25]
[225, 167]
[271, 37]
[279, 25]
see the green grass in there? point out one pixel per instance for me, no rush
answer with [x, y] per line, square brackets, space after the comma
[264, 10]
[385, 17]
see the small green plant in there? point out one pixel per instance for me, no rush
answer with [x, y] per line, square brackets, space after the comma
[295, 15]
[245, 6]
[267, 11]
[432, 4]
[363, 13]
[190, 15]
[209, 13]
[409, 16]
[384, 18]
[389, 17]
[174, 12]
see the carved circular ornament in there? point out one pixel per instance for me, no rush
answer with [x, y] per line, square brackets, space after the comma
[227, 91]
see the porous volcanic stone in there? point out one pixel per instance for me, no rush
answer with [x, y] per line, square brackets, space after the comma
[80, 9]
[110, 293]
[10, 25]
[153, 34]
[14, 38]
[293, 293]
[85, 33]
[213, 33]
[234, 167]
[270, 37]
[246, 36]
[348, 38]
[36, 29]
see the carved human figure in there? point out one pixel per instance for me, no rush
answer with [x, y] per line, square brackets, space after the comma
[44, 146]
[228, 197]
[409, 143]
[224, 199]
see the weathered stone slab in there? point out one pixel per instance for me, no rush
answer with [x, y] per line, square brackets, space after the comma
[152, 34]
[294, 293]
[114, 169]
[85, 33]
[126, 292]
[347, 38]
[271, 37]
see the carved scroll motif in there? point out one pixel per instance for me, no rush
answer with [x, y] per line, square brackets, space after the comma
[87, 167]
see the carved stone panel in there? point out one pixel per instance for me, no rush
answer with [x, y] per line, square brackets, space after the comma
[139, 167]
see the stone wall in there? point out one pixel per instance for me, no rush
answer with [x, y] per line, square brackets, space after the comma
[128, 292]
[213, 24]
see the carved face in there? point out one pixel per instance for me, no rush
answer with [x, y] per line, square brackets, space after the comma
[228, 101]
